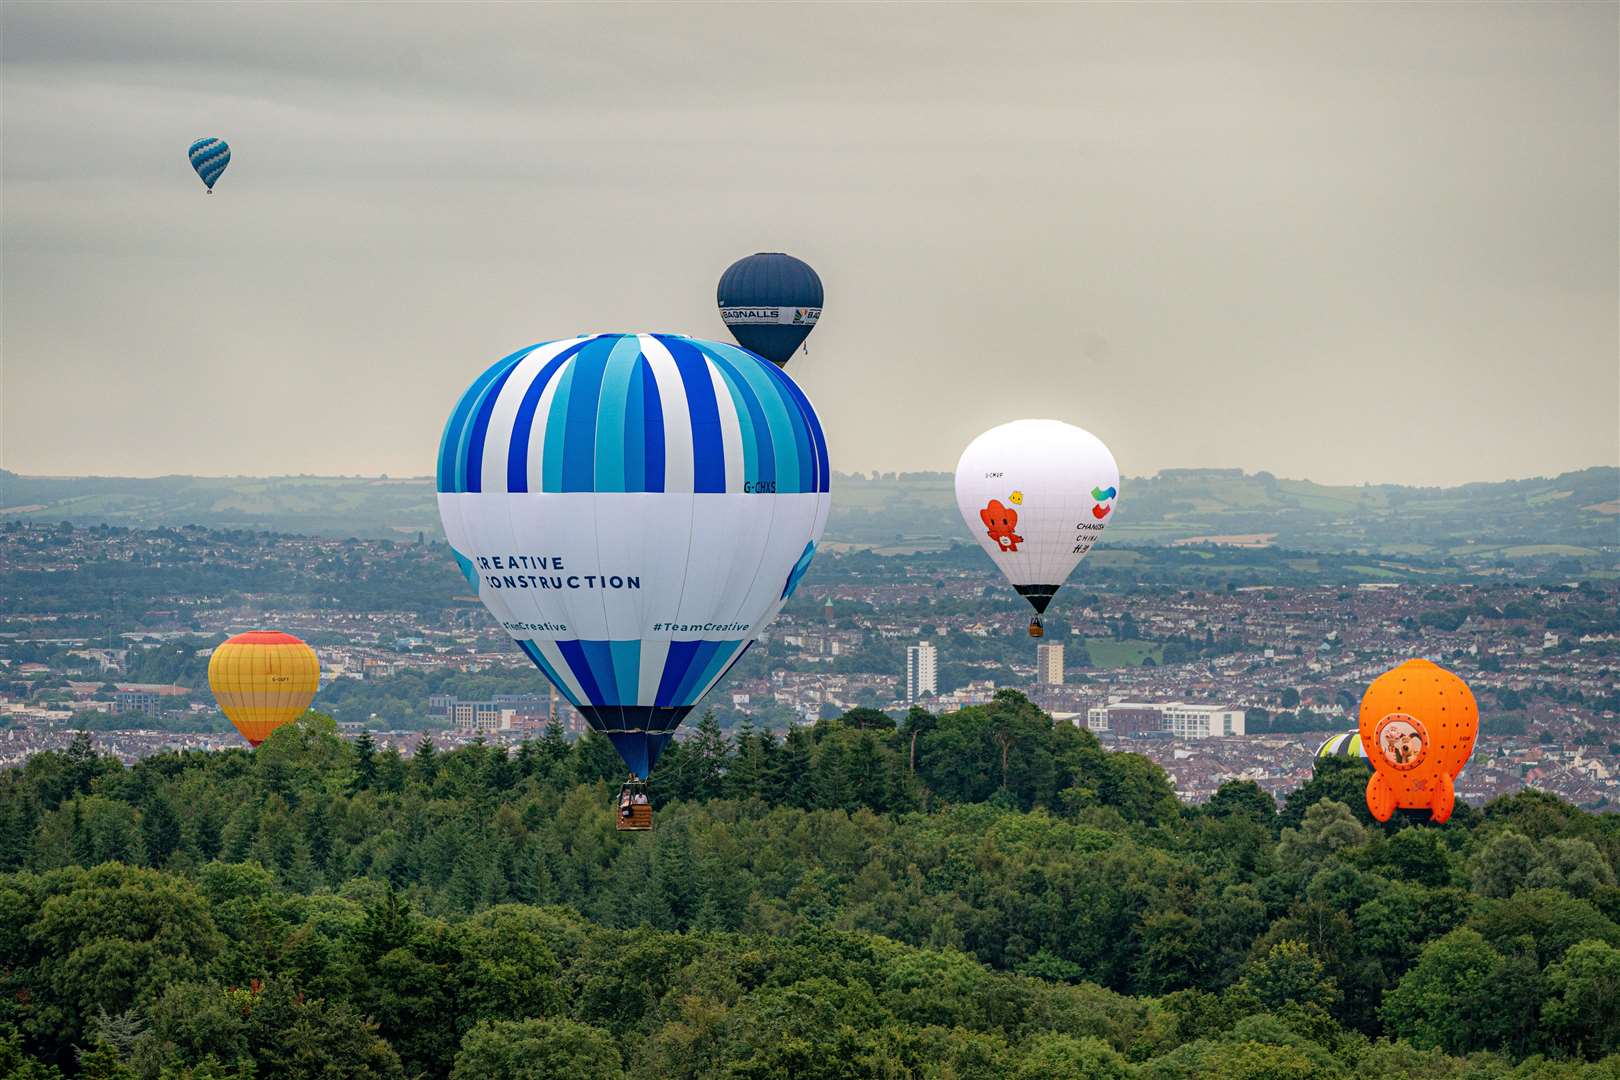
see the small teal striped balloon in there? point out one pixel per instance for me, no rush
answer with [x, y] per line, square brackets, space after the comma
[209, 157]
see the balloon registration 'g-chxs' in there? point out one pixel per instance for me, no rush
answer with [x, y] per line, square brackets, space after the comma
[634, 509]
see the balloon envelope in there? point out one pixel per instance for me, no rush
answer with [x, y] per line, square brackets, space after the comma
[209, 157]
[263, 679]
[1418, 723]
[634, 509]
[1036, 495]
[770, 302]
[1345, 745]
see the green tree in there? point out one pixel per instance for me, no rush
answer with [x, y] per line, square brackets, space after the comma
[709, 758]
[1288, 973]
[108, 939]
[15, 1064]
[864, 718]
[1502, 867]
[425, 761]
[1052, 1055]
[192, 1022]
[1446, 1001]
[291, 1036]
[746, 776]
[1242, 798]
[553, 747]
[789, 781]
[1551, 918]
[1582, 1009]
[1573, 864]
[365, 763]
[1341, 780]
[160, 830]
[537, 1050]
[1140, 790]
[506, 968]
[1328, 827]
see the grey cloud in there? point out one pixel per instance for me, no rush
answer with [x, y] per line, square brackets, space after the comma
[1344, 241]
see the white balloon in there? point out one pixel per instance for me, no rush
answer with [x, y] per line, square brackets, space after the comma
[1036, 495]
[634, 510]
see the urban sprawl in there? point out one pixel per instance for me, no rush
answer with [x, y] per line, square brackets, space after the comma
[109, 630]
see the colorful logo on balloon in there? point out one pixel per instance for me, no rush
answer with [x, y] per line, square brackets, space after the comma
[999, 523]
[1102, 495]
[1016, 498]
[1403, 740]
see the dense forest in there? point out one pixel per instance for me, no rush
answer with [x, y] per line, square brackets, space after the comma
[978, 894]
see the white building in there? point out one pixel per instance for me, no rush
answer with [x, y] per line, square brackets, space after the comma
[1202, 721]
[922, 671]
[1177, 718]
[1049, 664]
[472, 717]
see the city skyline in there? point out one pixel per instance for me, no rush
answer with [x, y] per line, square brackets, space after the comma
[1213, 683]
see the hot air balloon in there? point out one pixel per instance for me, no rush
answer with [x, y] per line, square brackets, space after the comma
[634, 509]
[770, 302]
[1037, 494]
[1346, 745]
[209, 157]
[1418, 722]
[263, 679]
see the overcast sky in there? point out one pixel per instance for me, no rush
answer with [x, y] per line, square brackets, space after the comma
[1349, 243]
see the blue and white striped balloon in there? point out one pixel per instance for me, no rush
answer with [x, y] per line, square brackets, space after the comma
[209, 157]
[634, 509]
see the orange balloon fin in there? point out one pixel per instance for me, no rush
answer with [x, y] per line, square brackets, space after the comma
[1380, 797]
[1445, 800]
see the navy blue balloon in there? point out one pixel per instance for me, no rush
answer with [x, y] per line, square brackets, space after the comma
[770, 302]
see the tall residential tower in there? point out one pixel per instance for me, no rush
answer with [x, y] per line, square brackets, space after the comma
[1049, 664]
[922, 671]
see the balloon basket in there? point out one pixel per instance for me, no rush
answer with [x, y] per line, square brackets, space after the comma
[633, 810]
[1036, 629]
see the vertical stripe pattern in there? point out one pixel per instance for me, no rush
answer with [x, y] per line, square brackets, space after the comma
[634, 510]
[613, 421]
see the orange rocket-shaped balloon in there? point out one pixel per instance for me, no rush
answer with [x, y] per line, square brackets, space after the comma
[1418, 724]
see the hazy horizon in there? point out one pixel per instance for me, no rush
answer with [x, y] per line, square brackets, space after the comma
[1354, 244]
[867, 473]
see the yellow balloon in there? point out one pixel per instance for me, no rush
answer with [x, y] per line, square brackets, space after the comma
[263, 679]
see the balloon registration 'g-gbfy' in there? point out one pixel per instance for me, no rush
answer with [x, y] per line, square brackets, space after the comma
[1036, 495]
[634, 509]
[770, 302]
[209, 157]
[263, 679]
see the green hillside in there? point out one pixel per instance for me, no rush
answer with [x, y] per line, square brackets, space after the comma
[1573, 515]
